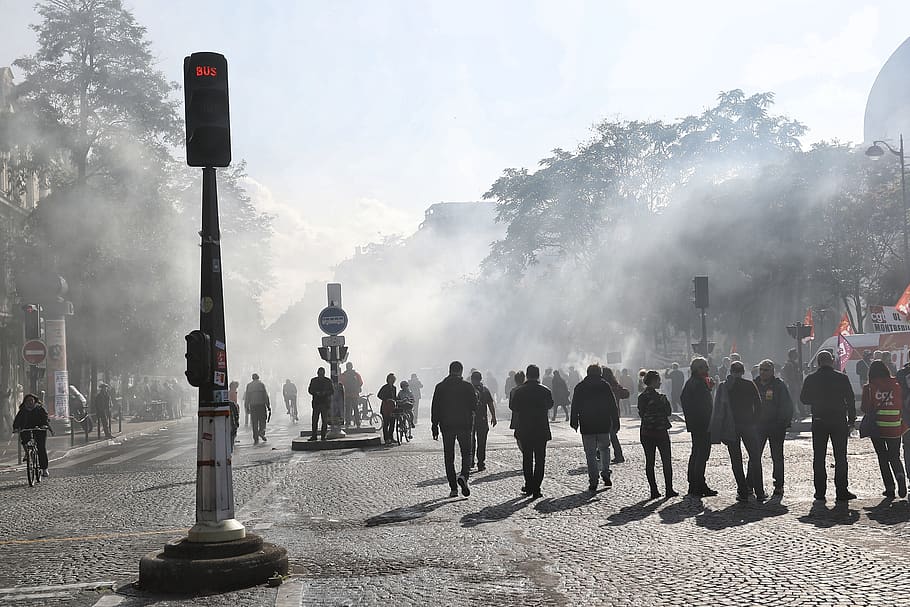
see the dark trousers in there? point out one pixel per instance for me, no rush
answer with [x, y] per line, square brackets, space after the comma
[416, 407]
[388, 427]
[533, 456]
[617, 448]
[258, 417]
[463, 436]
[41, 442]
[320, 412]
[651, 445]
[837, 432]
[698, 460]
[352, 410]
[564, 408]
[479, 441]
[104, 420]
[888, 451]
[752, 480]
[774, 437]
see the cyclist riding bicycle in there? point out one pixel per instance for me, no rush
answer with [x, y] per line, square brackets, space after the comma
[32, 415]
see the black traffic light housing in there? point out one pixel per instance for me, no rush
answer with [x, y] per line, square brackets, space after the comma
[696, 347]
[799, 330]
[701, 291]
[31, 321]
[342, 353]
[198, 358]
[208, 119]
[324, 353]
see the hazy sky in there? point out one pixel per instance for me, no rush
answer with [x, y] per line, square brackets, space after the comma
[355, 116]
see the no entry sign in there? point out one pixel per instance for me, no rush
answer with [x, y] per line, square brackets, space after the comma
[34, 352]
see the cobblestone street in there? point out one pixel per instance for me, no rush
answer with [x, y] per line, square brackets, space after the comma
[377, 527]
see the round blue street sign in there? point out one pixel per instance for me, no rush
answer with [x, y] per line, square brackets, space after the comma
[333, 321]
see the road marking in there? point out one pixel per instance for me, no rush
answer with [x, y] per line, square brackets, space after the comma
[62, 587]
[130, 455]
[290, 594]
[50, 540]
[110, 600]
[94, 454]
[173, 454]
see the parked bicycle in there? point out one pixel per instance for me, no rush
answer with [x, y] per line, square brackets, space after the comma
[366, 412]
[32, 469]
[403, 419]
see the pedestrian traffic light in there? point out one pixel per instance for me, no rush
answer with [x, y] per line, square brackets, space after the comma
[697, 348]
[32, 321]
[198, 358]
[208, 120]
[701, 291]
[342, 353]
[324, 353]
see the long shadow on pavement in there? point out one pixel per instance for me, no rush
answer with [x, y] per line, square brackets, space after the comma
[407, 513]
[498, 512]
[497, 476]
[636, 512]
[567, 502]
[680, 511]
[737, 514]
[822, 516]
[430, 482]
[889, 512]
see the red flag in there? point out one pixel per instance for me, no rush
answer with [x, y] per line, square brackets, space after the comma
[808, 322]
[903, 304]
[844, 328]
[733, 347]
[844, 352]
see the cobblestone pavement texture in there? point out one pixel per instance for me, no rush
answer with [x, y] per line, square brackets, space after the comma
[376, 527]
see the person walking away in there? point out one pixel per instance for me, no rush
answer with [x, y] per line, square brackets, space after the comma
[509, 384]
[619, 393]
[560, 392]
[452, 413]
[547, 380]
[235, 411]
[776, 413]
[793, 378]
[830, 396]
[697, 406]
[492, 385]
[654, 410]
[103, 402]
[518, 378]
[32, 414]
[677, 380]
[322, 390]
[256, 401]
[734, 422]
[387, 396]
[573, 379]
[289, 392]
[352, 383]
[416, 386]
[482, 423]
[532, 402]
[627, 382]
[882, 404]
[594, 410]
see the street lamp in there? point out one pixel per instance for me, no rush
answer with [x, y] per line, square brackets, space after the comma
[875, 151]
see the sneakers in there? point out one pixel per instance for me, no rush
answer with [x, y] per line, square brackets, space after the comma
[463, 483]
[761, 497]
[655, 494]
[525, 490]
[265, 440]
[846, 497]
[453, 493]
[608, 483]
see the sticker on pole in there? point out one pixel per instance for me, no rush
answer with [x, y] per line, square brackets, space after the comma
[333, 320]
[34, 352]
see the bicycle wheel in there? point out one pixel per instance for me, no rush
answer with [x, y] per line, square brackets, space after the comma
[399, 430]
[35, 465]
[31, 470]
[376, 420]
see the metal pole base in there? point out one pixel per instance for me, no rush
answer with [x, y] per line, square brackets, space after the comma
[206, 532]
[335, 431]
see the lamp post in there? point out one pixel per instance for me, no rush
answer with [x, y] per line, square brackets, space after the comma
[875, 151]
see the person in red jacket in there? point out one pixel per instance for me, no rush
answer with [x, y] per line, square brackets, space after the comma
[882, 399]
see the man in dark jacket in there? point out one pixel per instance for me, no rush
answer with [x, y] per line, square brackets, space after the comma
[696, 404]
[453, 407]
[256, 401]
[594, 410]
[776, 412]
[485, 403]
[32, 415]
[531, 401]
[677, 380]
[833, 404]
[321, 389]
[745, 408]
[102, 403]
[560, 392]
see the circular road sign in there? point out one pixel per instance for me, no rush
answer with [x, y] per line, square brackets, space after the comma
[333, 320]
[34, 352]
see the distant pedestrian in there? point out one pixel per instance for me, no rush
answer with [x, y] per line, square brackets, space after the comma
[482, 422]
[654, 410]
[388, 395]
[560, 392]
[509, 384]
[489, 380]
[518, 378]
[776, 413]
[594, 410]
[103, 402]
[322, 390]
[547, 380]
[235, 411]
[256, 401]
[697, 406]
[677, 380]
[862, 367]
[627, 382]
[830, 395]
[882, 404]
[793, 378]
[734, 422]
[532, 401]
[619, 393]
[573, 379]
[352, 383]
[454, 404]
[289, 392]
[416, 387]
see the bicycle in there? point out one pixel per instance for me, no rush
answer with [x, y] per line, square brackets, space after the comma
[32, 471]
[402, 424]
[365, 410]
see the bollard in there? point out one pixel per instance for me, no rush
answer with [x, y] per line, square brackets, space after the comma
[72, 431]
